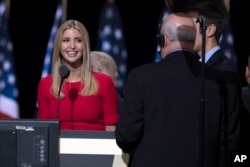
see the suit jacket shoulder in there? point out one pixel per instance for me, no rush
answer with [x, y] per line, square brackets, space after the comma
[221, 62]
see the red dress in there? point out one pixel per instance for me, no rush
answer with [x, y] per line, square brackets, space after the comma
[78, 112]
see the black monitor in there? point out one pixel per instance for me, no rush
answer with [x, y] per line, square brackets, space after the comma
[29, 143]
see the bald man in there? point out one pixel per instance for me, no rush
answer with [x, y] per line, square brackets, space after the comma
[177, 32]
[160, 123]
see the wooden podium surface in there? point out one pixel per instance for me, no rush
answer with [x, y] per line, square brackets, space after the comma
[90, 149]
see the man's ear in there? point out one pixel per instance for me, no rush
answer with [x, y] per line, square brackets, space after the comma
[211, 30]
[163, 41]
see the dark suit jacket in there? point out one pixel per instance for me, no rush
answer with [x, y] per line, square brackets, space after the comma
[246, 97]
[245, 120]
[221, 62]
[161, 118]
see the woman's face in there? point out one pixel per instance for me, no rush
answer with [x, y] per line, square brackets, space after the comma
[72, 47]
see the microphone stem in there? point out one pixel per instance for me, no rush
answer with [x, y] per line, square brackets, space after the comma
[58, 108]
[59, 99]
[202, 99]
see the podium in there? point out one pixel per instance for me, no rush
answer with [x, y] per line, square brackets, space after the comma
[90, 149]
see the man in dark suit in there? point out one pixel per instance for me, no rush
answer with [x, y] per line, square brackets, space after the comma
[211, 19]
[246, 89]
[245, 121]
[216, 17]
[174, 113]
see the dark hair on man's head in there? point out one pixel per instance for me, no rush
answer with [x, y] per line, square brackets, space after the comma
[214, 13]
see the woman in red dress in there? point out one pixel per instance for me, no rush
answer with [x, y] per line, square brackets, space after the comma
[79, 97]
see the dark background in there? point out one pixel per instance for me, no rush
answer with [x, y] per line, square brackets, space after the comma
[30, 23]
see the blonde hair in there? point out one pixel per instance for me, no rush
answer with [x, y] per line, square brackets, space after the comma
[104, 63]
[90, 85]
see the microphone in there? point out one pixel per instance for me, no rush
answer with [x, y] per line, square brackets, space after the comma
[64, 73]
[200, 18]
[202, 21]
